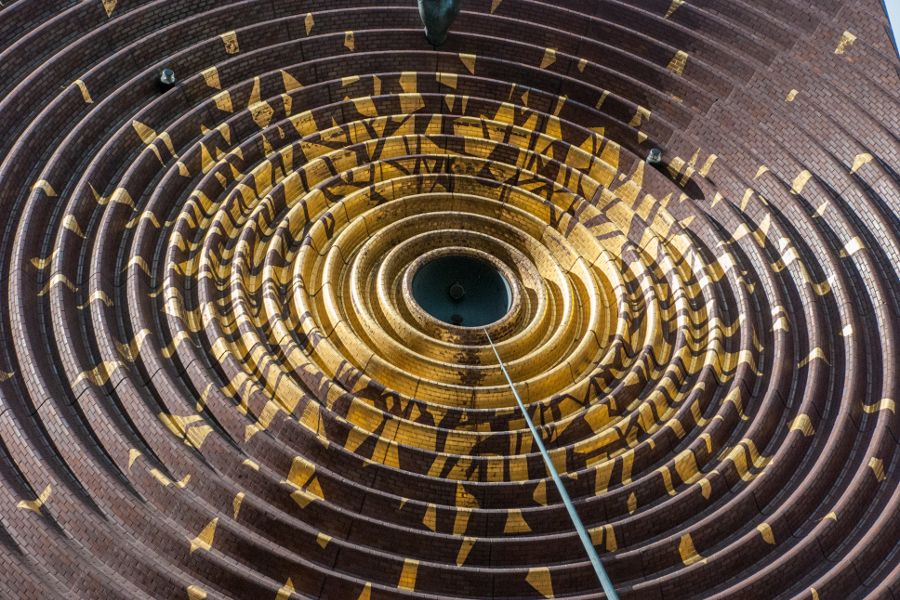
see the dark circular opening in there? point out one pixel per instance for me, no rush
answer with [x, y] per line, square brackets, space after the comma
[461, 290]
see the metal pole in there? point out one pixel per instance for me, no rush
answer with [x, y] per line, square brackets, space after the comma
[608, 588]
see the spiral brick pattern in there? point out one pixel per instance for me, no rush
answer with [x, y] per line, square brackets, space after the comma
[215, 381]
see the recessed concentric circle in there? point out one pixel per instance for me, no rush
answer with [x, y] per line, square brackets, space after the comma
[462, 289]
[216, 380]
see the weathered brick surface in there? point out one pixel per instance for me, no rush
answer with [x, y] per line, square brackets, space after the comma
[215, 380]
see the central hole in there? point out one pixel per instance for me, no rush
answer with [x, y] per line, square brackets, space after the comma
[461, 290]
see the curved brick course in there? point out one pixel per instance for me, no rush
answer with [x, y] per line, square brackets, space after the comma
[214, 380]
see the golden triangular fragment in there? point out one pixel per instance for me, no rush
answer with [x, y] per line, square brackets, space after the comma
[549, 58]
[195, 592]
[464, 550]
[236, 504]
[408, 575]
[640, 115]
[803, 424]
[766, 531]
[366, 593]
[539, 579]
[678, 62]
[290, 82]
[800, 182]
[223, 101]
[133, 455]
[845, 42]
[84, 91]
[464, 498]
[469, 61]
[229, 39]
[44, 185]
[430, 518]
[673, 7]
[689, 554]
[36, 504]
[286, 590]
[515, 522]
[859, 161]
[540, 493]
[211, 77]
[204, 539]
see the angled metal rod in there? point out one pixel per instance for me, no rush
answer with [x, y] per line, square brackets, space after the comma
[608, 588]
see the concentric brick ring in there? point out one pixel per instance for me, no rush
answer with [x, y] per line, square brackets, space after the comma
[215, 380]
